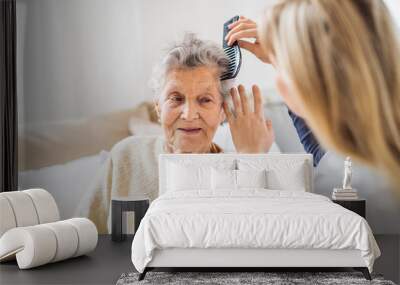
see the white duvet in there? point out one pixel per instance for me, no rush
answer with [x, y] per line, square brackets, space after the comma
[251, 218]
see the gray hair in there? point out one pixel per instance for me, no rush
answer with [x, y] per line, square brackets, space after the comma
[191, 53]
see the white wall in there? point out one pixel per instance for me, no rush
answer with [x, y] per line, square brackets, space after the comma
[81, 58]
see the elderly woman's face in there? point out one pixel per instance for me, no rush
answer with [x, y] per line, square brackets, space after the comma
[190, 108]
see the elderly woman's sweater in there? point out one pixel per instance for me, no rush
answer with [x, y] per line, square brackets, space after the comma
[130, 170]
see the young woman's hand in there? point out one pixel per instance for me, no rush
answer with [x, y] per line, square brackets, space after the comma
[246, 28]
[251, 133]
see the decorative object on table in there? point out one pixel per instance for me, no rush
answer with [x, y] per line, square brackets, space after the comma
[357, 206]
[346, 192]
[244, 278]
[31, 232]
[122, 207]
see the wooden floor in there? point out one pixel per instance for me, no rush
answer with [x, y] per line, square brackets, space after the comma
[110, 260]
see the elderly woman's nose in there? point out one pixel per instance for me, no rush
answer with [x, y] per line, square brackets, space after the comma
[190, 111]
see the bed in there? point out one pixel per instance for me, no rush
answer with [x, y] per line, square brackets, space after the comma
[247, 211]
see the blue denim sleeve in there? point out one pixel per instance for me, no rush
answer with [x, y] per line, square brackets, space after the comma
[307, 139]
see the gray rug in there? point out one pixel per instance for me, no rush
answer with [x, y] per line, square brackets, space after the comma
[230, 278]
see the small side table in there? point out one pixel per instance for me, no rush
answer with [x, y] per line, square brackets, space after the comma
[119, 205]
[357, 206]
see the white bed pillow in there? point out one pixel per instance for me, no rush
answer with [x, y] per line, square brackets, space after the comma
[223, 179]
[251, 178]
[282, 174]
[293, 180]
[183, 177]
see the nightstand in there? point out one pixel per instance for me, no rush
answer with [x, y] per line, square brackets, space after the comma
[119, 205]
[357, 206]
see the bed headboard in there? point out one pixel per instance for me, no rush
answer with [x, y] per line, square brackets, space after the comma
[283, 165]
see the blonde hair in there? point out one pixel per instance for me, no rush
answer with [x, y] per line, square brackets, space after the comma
[342, 58]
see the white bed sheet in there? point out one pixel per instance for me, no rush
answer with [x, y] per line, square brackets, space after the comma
[252, 218]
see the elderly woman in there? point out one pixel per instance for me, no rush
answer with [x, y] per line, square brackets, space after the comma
[190, 96]
[189, 102]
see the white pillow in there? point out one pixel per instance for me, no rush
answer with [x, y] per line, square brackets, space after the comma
[251, 178]
[282, 174]
[183, 177]
[237, 179]
[223, 179]
[295, 179]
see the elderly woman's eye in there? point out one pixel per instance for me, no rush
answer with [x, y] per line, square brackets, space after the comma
[205, 100]
[176, 98]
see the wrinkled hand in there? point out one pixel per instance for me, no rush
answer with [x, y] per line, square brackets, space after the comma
[246, 28]
[251, 133]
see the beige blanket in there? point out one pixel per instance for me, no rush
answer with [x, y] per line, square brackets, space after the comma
[131, 169]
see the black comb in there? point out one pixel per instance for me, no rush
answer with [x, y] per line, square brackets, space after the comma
[233, 53]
